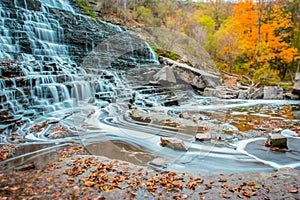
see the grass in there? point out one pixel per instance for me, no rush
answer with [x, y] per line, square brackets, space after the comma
[83, 4]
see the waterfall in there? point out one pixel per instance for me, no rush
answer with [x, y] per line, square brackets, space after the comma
[43, 46]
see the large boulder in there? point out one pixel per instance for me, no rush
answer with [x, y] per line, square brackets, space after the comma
[273, 92]
[195, 77]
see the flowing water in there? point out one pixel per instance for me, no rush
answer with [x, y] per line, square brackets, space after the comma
[47, 101]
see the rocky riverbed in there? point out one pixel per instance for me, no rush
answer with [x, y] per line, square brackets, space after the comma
[73, 175]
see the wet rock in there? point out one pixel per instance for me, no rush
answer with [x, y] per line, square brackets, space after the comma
[159, 162]
[165, 76]
[92, 100]
[173, 143]
[277, 140]
[203, 137]
[273, 92]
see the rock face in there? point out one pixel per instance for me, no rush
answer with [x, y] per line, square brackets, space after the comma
[271, 92]
[56, 31]
[50, 53]
[173, 143]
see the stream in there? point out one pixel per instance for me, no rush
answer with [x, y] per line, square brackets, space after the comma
[67, 78]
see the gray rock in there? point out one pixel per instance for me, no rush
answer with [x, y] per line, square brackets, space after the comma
[203, 137]
[228, 128]
[273, 92]
[173, 143]
[147, 76]
[296, 88]
[221, 92]
[165, 76]
[243, 94]
[277, 140]
[296, 114]
[257, 93]
[159, 162]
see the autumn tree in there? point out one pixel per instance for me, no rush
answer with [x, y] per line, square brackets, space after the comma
[264, 38]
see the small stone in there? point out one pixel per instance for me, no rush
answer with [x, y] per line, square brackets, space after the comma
[173, 143]
[277, 140]
[203, 137]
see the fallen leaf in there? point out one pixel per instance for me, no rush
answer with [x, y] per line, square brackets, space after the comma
[192, 185]
[293, 191]
[232, 189]
[89, 183]
[246, 193]
[226, 196]
[251, 183]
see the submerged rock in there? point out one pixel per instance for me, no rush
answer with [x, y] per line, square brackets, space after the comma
[173, 143]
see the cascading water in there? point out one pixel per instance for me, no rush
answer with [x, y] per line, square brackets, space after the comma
[58, 80]
[45, 77]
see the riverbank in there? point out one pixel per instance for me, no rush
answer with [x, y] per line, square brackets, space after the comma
[74, 175]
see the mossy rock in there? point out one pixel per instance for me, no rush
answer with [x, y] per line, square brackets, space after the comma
[168, 54]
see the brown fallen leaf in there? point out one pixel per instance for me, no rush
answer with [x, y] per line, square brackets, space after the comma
[192, 185]
[293, 191]
[226, 196]
[246, 193]
[89, 183]
[251, 183]
[225, 186]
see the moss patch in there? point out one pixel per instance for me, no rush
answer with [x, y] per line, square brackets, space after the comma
[84, 5]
